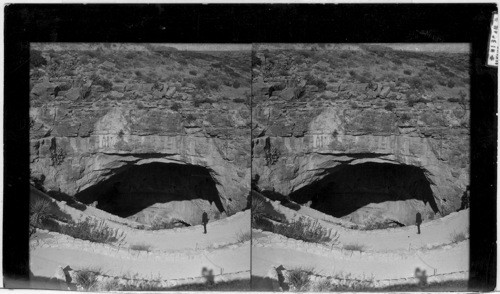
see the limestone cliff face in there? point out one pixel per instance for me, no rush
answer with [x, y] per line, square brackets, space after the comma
[97, 110]
[316, 110]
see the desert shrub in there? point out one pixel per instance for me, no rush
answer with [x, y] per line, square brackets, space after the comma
[306, 230]
[93, 230]
[201, 83]
[376, 225]
[39, 212]
[415, 82]
[198, 102]
[272, 155]
[397, 61]
[343, 282]
[407, 72]
[88, 279]
[242, 237]
[458, 237]
[182, 62]
[213, 86]
[390, 106]
[405, 117]
[176, 106]
[257, 209]
[236, 84]
[101, 81]
[299, 278]
[57, 155]
[140, 247]
[190, 118]
[413, 101]
[450, 84]
[36, 59]
[354, 247]
[193, 72]
[428, 85]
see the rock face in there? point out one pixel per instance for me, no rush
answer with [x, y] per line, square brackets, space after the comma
[369, 106]
[115, 111]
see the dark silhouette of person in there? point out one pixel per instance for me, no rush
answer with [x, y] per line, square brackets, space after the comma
[418, 221]
[204, 220]
[208, 275]
[465, 199]
[421, 275]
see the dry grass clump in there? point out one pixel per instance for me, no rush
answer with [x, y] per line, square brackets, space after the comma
[458, 237]
[140, 247]
[354, 247]
[39, 211]
[299, 278]
[93, 230]
[242, 237]
[87, 279]
[306, 230]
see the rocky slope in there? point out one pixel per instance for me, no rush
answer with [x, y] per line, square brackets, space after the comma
[318, 109]
[98, 110]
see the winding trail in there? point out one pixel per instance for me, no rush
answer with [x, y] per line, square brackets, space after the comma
[173, 253]
[386, 254]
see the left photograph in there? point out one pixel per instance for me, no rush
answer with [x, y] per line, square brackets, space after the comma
[140, 166]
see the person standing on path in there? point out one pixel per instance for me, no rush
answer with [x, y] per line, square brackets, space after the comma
[418, 221]
[204, 220]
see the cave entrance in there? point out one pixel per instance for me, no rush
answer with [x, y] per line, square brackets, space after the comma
[157, 193]
[371, 193]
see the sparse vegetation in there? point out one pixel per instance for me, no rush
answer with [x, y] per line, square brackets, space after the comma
[198, 102]
[176, 106]
[354, 247]
[390, 106]
[257, 209]
[140, 247]
[299, 278]
[57, 155]
[306, 230]
[39, 212]
[458, 237]
[87, 279]
[242, 237]
[272, 155]
[93, 230]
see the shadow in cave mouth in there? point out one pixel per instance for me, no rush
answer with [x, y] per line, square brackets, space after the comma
[371, 192]
[169, 192]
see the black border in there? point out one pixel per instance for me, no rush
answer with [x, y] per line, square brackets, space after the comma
[245, 23]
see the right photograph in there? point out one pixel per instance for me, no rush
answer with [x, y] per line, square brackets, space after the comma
[360, 167]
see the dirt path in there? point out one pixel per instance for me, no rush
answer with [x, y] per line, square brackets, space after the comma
[386, 254]
[433, 233]
[378, 265]
[44, 262]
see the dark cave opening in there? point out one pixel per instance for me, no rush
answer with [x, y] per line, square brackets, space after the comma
[157, 192]
[371, 192]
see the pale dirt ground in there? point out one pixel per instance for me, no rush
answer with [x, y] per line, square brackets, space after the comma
[175, 253]
[387, 254]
